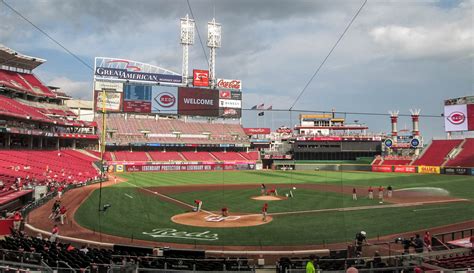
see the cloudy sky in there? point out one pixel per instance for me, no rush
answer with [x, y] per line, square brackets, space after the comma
[397, 55]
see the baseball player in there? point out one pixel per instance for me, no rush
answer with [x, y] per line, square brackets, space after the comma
[264, 212]
[354, 194]
[225, 212]
[272, 192]
[389, 191]
[371, 193]
[381, 192]
[263, 189]
[198, 204]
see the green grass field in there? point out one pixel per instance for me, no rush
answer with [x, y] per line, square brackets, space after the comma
[134, 213]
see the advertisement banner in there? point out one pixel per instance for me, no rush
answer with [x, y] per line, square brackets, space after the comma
[130, 75]
[113, 101]
[404, 169]
[198, 102]
[470, 117]
[455, 118]
[229, 84]
[230, 113]
[230, 104]
[257, 131]
[111, 86]
[382, 168]
[459, 171]
[164, 100]
[429, 169]
[188, 167]
[230, 95]
[131, 106]
[137, 92]
[201, 78]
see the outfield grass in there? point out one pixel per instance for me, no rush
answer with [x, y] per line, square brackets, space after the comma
[133, 212]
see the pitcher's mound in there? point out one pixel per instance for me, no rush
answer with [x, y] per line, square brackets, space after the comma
[203, 219]
[269, 198]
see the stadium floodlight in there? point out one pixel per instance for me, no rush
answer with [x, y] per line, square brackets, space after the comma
[214, 38]
[187, 39]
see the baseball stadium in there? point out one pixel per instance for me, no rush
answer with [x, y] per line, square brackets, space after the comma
[160, 172]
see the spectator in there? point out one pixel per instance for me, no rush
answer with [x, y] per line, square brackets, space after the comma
[427, 240]
[377, 259]
[54, 234]
[310, 266]
[418, 244]
[84, 249]
[17, 221]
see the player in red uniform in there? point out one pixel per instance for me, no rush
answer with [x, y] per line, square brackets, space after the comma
[427, 240]
[225, 212]
[354, 194]
[198, 204]
[371, 193]
[272, 192]
[381, 192]
[264, 212]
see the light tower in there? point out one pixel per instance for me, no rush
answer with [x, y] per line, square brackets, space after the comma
[187, 39]
[415, 116]
[213, 42]
[394, 120]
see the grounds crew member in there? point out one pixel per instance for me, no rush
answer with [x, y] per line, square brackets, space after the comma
[310, 268]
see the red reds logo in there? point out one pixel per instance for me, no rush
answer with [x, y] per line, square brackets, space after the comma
[456, 118]
[228, 84]
[165, 99]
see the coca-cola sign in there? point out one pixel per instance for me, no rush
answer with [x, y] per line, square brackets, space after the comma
[229, 84]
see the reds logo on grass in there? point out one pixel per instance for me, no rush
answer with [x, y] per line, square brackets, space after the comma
[165, 99]
[456, 118]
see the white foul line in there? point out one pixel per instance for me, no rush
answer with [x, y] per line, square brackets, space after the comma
[169, 198]
[129, 196]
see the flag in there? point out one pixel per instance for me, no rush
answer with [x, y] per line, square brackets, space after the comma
[261, 114]
[254, 107]
[261, 106]
[270, 107]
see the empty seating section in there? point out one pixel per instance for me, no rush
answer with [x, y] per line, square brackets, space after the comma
[11, 107]
[198, 156]
[165, 156]
[134, 129]
[65, 166]
[455, 262]
[251, 155]
[130, 156]
[465, 158]
[377, 161]
[396, 162]
[230, 156]
[436, 153]
[24, 82]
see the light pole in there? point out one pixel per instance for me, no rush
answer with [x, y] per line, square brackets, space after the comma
[214, 31]
[187, 39]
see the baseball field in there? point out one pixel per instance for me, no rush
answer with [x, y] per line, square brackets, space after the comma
[159, 206]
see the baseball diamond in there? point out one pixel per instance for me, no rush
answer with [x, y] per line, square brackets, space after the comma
[321, 211]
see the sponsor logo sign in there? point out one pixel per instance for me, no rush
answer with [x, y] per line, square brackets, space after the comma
[113, 101]
[113, 86]
[230, 113]
[229, 84]
[131, 75]
[230, 104]
[284, 130]
[388, 143]
[136, 106]
[455, 118]
[461, 171]
[257, 131]
[429, 169]
[164, 100]
[201, 78]
[404, 169]
[230, 95]
[174, 233]
[198, 102]
[382, 169]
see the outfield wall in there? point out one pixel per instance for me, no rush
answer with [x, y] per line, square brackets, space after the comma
[179, 166]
